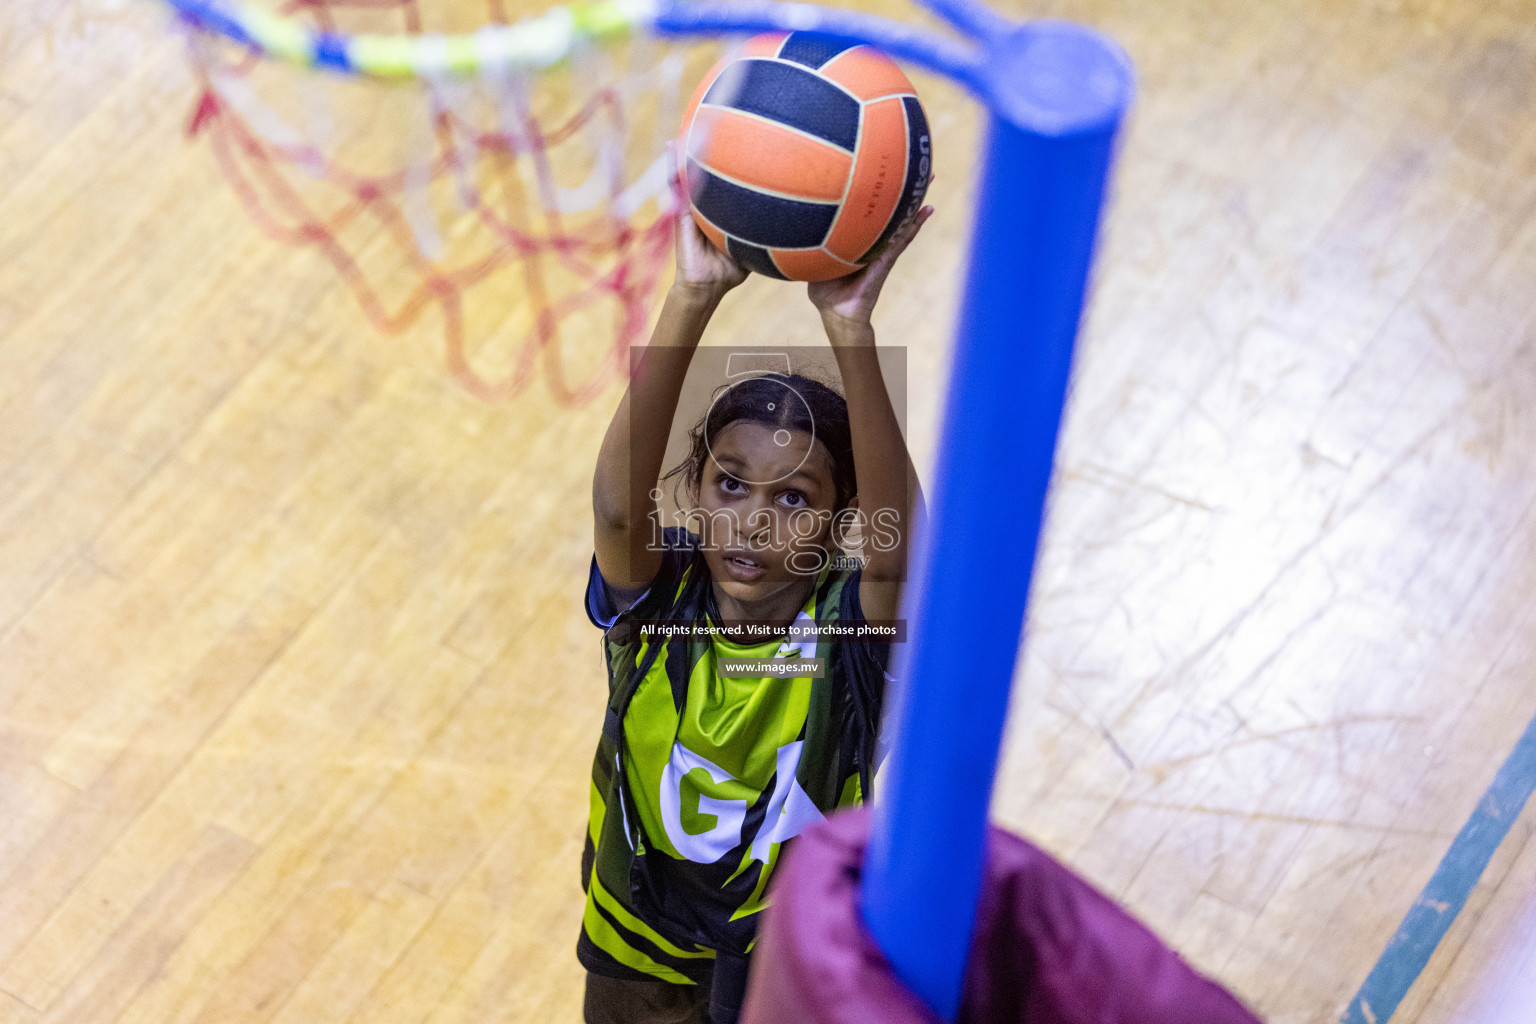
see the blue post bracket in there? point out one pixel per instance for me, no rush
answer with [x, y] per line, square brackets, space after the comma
[1057, 96]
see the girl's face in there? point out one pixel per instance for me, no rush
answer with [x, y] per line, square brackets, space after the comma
[766, 499]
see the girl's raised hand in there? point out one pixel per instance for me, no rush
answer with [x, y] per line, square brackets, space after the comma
[700, 266]
[852, 298]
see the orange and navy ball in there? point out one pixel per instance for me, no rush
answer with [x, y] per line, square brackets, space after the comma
[804, 154]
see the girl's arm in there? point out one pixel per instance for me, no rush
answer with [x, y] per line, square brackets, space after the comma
[629, 462]
[890, 498]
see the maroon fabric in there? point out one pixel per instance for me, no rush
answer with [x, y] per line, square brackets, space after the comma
[1048, 949]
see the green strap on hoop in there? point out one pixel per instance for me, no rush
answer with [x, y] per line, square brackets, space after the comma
[533, 43]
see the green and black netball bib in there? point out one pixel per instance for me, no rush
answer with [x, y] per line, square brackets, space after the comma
[701, 777]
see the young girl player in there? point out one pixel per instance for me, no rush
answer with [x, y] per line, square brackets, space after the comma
[701, 777]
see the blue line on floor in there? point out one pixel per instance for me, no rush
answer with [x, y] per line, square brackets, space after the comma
[1442, 899]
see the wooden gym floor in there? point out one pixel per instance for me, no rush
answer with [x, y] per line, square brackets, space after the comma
[297, 699]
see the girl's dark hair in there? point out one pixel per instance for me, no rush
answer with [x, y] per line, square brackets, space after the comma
[784, 400]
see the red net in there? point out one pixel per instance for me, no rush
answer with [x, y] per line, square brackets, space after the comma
[454, 198]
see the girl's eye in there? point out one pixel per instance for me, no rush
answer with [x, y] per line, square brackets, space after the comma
[730, 485]
[793, 499]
